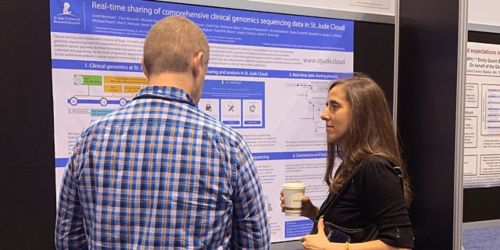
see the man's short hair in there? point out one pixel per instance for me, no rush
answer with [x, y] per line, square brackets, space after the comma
[171, 44]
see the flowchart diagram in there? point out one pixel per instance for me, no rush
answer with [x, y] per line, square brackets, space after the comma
[313, 95]
[106, 90]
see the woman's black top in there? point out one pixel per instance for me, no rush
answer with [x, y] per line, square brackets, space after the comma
[375, 195]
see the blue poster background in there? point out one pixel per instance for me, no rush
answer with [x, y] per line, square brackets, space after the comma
[131, 18]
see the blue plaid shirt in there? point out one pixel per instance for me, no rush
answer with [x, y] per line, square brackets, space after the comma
[159, 173]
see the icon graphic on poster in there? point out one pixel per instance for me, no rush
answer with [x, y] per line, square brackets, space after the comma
[66, 10]
[78, 79]
[252, 108]
[231, 108]
[208, 107]
[66, 16]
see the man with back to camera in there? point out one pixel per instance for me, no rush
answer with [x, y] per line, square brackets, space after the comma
[160, 173]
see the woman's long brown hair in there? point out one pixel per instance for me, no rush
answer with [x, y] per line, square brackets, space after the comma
[371, 133]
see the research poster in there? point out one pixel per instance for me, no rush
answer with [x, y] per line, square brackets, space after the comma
[482, 116]
[267, 78]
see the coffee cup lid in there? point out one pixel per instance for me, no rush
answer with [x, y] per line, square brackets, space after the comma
[294, 185]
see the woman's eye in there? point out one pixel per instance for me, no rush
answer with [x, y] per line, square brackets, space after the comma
[332, 105]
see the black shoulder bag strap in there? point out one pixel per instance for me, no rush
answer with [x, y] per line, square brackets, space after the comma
[333, 198]
[334, 235]
[399, 173]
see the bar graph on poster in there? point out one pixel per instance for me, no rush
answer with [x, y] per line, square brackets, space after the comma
[268, 77]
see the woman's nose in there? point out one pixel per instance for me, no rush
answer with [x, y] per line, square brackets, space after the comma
[324, 114]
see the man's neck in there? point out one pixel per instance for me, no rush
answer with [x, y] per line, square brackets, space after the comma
[182, 81]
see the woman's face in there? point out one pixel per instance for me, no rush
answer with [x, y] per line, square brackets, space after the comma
[336, 114]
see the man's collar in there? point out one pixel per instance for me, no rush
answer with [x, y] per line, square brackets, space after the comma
[165, 92]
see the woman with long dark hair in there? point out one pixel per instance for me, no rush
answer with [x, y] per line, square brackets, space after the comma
[371, 182]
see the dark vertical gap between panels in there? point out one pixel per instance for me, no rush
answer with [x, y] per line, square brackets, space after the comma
[374, 54]
[27, 143]
[426, 114]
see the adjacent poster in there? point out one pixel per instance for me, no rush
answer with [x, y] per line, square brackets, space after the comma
[482, 116]
[268, 77]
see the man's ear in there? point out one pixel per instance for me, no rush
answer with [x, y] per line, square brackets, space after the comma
[144, 70]
[197, 64]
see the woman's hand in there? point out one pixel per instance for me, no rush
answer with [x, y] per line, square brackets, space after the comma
[307, 210]
[317, 241]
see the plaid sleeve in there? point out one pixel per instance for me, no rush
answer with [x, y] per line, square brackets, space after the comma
[250, 225]
[70, 233]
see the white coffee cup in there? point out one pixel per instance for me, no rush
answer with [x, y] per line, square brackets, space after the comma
[293, 193]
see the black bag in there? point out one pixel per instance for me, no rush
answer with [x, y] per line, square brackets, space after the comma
[336, 233]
